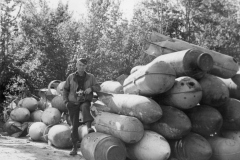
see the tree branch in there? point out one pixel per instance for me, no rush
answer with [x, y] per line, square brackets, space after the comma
[17, 14]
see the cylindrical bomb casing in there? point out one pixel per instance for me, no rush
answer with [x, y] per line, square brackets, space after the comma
[154, 78]
[214, 91]
[224, 66]
[205, 120]
[100, 146]
[57, 102]
[234, 135]
[193, 147]
[234, 89]
[174, 123]
[60, 136]
[192, 63]
[154, 50]
[36, 131]
[126, 128]
[29, 102]
[20, 114]
[112, 87]
[134, 69]
[185, 93]
[224, 148]
[152, 146]
[36, 116]
[231, 114]
[51, 116]
[143, 108]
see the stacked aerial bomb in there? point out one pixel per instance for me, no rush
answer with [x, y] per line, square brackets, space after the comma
[43, 119]
[181, 105]
[21, 115]
[53, 127]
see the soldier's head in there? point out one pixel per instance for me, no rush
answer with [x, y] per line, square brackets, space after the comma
[81, 64]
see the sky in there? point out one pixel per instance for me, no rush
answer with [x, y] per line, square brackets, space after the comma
[78, 6]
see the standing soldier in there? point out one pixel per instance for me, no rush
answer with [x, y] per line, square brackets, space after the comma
[77, 95]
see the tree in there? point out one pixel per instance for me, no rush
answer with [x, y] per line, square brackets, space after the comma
[43, 36]
[214, 24]
[8, 33]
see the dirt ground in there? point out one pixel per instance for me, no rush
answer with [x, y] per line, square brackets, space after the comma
[22, 149]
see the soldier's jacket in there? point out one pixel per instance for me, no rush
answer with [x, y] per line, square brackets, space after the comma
[71, 85]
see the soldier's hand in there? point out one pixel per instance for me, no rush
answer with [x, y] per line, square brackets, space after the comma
[88, 90]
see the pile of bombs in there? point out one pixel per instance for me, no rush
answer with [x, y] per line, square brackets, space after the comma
[44, 120]
[182, 105]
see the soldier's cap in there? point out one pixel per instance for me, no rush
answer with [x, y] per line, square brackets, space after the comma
[83, 60]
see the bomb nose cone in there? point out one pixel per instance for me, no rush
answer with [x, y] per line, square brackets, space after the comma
[205, 62]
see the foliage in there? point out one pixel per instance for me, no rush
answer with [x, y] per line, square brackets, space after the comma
[42, 44]
[214, 24]
[8, 33]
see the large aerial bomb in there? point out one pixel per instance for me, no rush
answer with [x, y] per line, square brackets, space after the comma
[100, 146]
[43, 103]
[112, 87]
[154, 78]
[36, 116]
[12, 127]
[191, 147]
[152, 49]
[234, 135]
[224, 66]
[60, 87]
[143, 108]
[234, 89]
[51, 116]
[214, 92]
[205, 120]
[36, 131]
[126, 128]
[231, 114]
[134, 69]
[236, 78]
[224, 148]
[152, 146]
[57, 102]
[174, 123]
[60, 136]
[192, 63]
[29, 102]
[20, 114]
[186, 93]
